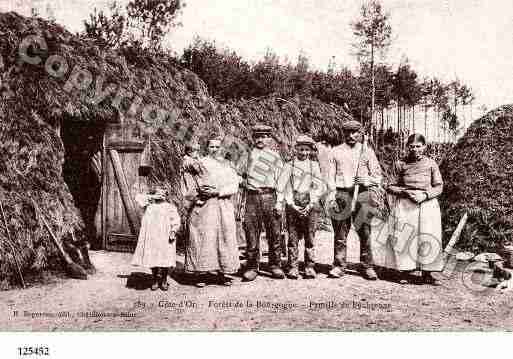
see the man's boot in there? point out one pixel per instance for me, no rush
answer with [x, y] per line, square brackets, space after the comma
[250, 274]
[277, 272]
[369, 273]
[336, 272]
[293, 273]
[310, 272]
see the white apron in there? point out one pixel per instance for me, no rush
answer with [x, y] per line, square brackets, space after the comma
[411, 238]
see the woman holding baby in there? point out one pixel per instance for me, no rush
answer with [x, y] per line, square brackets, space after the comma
[211, 248]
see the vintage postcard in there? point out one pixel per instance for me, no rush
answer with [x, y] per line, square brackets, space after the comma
[240, 165]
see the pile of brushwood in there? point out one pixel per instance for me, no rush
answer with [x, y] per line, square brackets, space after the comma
[478, 174]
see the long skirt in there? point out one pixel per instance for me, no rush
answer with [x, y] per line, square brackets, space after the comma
[153, 246]
[410, 238]
[212, 241]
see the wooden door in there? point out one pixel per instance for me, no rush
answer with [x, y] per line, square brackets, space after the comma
[122, 157]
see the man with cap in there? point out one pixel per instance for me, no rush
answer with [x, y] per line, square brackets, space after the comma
[302, 187]
[353, 163]
[261, 173]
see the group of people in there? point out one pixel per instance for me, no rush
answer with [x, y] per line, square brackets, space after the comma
[349, 189]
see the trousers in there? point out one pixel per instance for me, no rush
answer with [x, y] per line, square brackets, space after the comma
[342, 218]
[260, 214]
[301, 227]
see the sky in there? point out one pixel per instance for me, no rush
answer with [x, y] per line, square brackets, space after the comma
[471, 40]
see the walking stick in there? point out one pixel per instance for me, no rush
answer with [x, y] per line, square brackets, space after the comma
[10, 242]
[357, 186]
[283, 234]
[242, 194]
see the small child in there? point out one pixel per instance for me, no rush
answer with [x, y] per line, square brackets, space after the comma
[156, 245]
[195, 173]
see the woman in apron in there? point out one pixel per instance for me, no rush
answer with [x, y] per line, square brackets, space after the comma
[414, 239]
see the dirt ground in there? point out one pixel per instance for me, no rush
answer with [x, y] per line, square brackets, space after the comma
[113, 299]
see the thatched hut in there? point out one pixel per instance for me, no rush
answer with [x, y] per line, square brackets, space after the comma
[64, 104]
[78, 124]
[477, 174]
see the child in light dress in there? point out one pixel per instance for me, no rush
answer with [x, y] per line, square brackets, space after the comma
[156, 245]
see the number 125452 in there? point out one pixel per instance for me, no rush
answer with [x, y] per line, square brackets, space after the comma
[42, 351]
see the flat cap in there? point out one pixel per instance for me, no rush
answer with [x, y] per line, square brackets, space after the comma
[305, 140]
[352, 125]
[262, 129]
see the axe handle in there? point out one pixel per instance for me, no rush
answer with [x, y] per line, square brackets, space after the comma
[456, 234]
[357, 186]
[241, 204]
[355, 197]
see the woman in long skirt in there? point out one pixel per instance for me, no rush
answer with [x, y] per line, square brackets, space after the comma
[212, 242]
[156, 245]
[415, 230]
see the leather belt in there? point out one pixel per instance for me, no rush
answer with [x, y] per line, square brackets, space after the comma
[345, 189]
[351, 189]
[262, 190]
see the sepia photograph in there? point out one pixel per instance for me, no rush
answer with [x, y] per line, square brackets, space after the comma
[255, 165]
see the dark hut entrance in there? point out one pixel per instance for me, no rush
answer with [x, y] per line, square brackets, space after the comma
[82, 169]
[103, 171]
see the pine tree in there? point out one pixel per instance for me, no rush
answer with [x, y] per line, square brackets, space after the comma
[373, 33]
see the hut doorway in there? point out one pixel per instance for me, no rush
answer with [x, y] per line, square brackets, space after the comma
[102, 169]
[82, 142]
